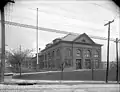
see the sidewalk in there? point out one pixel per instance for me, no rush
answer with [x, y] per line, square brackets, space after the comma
[16, 85]
[61, 88]
[70, 82]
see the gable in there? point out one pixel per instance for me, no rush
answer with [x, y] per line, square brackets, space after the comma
[83, 38]
[69, 37]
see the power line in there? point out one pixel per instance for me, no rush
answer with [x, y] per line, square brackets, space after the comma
[34, 27]
[103, 7]
[72, 17]
[60, 14]
[51, 30]
[54, 14]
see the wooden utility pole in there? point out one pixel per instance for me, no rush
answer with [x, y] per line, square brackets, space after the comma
[37, 37]
[3, 3]
[107, 70]
[20, 61]
[92, 63]
[117, 63]
[62, 68]
[2, 46]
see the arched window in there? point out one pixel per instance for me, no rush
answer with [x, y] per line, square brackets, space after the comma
[68, 52]
[78, 52]
[58, 52]
[96, 54]
[87, 53]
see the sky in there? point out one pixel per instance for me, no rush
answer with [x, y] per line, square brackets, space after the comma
[76, 16]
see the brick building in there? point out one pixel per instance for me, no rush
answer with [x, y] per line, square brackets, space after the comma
[76, 51]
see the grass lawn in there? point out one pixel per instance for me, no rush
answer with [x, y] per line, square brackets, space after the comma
[99, 75]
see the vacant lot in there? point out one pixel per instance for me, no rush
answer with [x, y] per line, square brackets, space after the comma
[98, 75]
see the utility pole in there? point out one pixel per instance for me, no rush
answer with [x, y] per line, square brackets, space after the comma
[107, 70]
[3, 3]
[92, 63]
[2, 46]
[37, 38]
[20, 61]
[117, 63]
[62, 68]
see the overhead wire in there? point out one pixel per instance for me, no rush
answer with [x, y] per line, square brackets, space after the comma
[103, 7]
[52, 30]
[117, 12]
[57, 14]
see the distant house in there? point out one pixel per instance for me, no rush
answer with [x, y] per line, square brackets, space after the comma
[29, 62]
[76, 51]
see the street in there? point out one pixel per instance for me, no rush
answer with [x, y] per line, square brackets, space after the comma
[61, 88]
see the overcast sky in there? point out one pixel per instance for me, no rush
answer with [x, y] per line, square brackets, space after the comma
[71, 15]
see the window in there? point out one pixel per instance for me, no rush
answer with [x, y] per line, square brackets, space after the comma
[45, 56]
[68, 62]
[45, 64]
[88, 64]
[68, 52]
[87, 53]
[58, 63]
[83, 40]
[53, 65]
[53, 54]
[78, 52]
[42, 57]
[96, 53]
[49, 55]
[58, 52]
[96, 64]
[48, 64]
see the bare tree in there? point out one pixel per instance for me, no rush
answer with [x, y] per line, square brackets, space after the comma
[18, 56]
